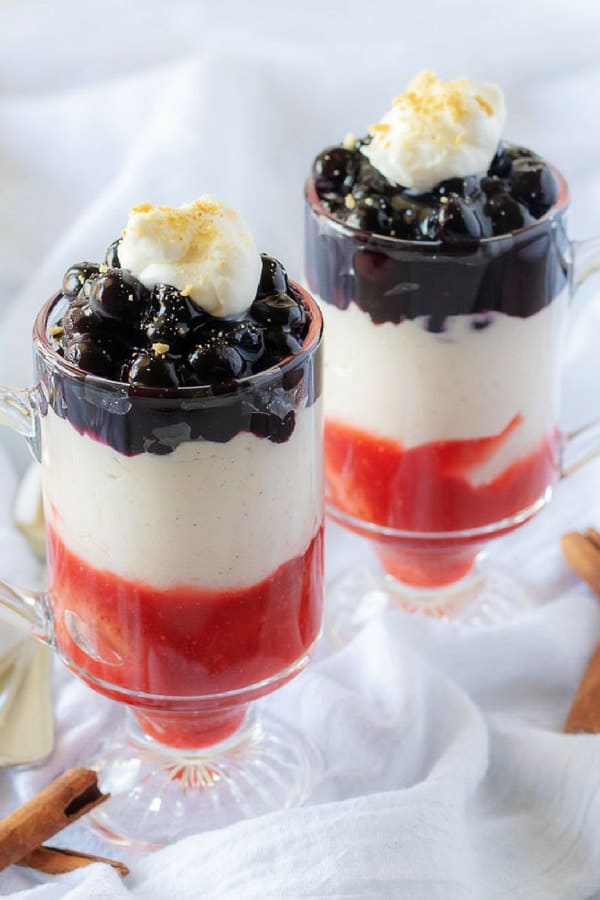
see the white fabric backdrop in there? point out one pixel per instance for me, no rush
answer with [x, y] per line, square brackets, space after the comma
[447, 776]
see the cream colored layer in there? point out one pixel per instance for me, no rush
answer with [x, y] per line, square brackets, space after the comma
[415, 387]
[211, 515]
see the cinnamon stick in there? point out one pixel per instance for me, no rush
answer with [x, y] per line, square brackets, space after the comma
[57, 860]
[582, 552]
[64, 800]
[584, 715]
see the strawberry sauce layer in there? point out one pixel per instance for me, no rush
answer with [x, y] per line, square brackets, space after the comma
[431, 488]
[184, 642]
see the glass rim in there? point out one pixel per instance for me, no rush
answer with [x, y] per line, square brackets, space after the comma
[315, 203]
[41, 341]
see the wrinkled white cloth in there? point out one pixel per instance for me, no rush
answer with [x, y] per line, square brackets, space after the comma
[446, 773]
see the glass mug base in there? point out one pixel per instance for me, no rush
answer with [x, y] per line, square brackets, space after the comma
[485, 596]
[445, 576]
[160, 794]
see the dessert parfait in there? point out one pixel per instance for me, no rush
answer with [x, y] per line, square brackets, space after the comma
[438, 253]
[181, 450]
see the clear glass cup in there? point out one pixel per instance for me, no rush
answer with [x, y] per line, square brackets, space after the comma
[185, 566]
[442, 370]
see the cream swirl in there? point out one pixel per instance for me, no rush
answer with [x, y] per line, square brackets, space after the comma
[437, 130]
[204, 249]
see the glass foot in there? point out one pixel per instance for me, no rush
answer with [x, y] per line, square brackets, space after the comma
[160, 794]
[486, 596]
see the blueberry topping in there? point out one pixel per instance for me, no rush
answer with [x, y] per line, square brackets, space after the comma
[248, 340]
[280, 309]
[75, 276]
[501, 164]
[335, 170]
[152, 369]
[85, 352]
[111, 257]
[456, 221]
[216, 362]
[172, 317]
[273, 279]
[161, 338]
[534, 185]
[493, 184]
[463, 187]
[506, 214]
[116, 294]
[80, 319]
[371, 214]
[358, 194]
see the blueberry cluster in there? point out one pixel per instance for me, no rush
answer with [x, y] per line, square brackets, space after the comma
[518, 188]
[117, 328]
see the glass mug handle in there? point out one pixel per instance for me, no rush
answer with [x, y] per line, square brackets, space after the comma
[26, 610]
[583, 444]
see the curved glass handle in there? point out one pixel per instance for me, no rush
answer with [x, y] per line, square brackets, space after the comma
[582, 445]
[18, 410]
[27, 611]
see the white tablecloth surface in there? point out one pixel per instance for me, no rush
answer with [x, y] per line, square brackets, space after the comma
[447, 775]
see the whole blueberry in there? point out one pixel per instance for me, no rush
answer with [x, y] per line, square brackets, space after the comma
[371, 214]
[277, 309]
[493, 184]
[404, 217]
[534, 184]
[334, 170]
[80, 319]
[501, 164]
[273, 277]
[171, 317]
[111, 257]
[216, 362]
[248, 339]
[85, 352]
[75, 276]
[152, 369]
[506, 214]
[463, 187]
[280, 345]
[456, 222]
[116, 294]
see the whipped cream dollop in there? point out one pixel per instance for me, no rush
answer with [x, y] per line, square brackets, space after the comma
[437, 130]
[204, 249]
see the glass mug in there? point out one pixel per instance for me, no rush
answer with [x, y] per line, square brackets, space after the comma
[442, 370]
[185, 566]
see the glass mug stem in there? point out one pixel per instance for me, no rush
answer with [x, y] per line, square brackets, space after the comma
[582, 445]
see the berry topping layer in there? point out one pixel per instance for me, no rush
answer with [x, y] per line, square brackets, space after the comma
[159, 337]
[517, 188]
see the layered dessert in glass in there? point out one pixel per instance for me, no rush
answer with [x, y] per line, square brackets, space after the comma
[181, 448]
[441, 270]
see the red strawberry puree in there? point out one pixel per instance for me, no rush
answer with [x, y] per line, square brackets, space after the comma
[183, 641]
[427, 488]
